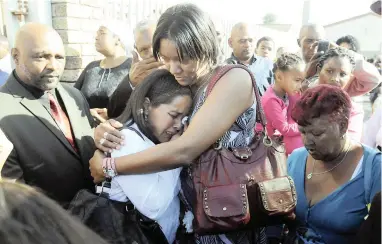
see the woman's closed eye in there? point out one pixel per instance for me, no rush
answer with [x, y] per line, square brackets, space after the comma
[173, 115]
[317, 133]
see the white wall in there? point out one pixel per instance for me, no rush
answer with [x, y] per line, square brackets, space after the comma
[39, 11]
[366, 29]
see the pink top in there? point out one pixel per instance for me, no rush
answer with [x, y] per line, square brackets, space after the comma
[355, 122]
[279, 121]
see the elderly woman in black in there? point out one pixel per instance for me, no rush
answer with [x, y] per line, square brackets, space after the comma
[100, 78]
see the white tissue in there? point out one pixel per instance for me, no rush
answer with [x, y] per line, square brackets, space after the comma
[187, 221]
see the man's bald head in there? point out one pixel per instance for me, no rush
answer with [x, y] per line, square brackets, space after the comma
[312, 29]
[143, 37]
[309, 35]
[39, 56]
[242, 42]
[4, 46]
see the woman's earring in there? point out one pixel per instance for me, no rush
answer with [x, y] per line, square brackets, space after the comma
[140, 111]
[146, 115]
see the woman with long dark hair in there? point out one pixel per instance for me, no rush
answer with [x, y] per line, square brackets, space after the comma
[185, 41]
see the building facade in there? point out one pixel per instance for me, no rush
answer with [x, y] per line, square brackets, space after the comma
[366, 28]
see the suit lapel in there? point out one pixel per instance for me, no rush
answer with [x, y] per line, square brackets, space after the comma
[35, 107]
[74, 113]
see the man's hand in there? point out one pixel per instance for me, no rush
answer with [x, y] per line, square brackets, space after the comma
[311, 67]
[141, 68]
[109, 135]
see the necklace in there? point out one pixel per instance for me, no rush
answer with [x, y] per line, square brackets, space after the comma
[310, 175]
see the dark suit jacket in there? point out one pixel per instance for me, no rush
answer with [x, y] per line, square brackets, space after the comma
[42, 156]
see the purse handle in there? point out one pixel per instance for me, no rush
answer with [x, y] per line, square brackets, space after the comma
[222, 71]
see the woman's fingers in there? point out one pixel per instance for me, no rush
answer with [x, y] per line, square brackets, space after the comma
[115, 123]
[107, 137]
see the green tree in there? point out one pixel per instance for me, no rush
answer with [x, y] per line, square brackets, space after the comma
[269, 18]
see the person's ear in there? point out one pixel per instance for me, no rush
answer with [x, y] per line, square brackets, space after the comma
[230, 42]
[343, 127]
[15, 55]
[279, 76]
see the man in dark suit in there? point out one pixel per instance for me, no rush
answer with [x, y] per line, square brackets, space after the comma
[47, 122]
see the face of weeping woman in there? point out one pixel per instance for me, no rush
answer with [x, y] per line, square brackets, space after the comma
[323, 137]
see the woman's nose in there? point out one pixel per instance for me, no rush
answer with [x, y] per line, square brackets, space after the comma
[308, 139]
[335, 78]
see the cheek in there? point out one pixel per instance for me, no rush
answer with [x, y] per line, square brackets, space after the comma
[34, 68]
[107, 42]
[344, 81]
[190, 69]
[323, 78]
[159, 122]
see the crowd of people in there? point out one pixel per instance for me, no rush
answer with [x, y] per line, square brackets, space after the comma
[130, 131]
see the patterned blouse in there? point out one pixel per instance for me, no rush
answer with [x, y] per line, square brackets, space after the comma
[242, 131]
[240, 134]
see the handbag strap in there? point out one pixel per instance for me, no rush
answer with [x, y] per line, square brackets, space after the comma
[222, 71]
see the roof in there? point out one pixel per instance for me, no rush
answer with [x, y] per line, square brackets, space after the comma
[350, 19]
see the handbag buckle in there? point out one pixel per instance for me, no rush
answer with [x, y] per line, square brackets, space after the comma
[243, 153]
[218, 145]
[267, 141]
[129, 206]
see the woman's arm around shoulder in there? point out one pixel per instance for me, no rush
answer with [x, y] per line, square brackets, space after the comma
[231, 96]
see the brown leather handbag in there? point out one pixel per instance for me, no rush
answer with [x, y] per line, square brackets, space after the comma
[241, 188]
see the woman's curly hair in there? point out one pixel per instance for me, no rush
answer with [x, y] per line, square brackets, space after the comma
[322, 100]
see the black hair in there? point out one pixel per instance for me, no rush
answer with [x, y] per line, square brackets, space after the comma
[160, 87]
[29, 217]
[192, 31]
[351, 40]
[287, 61]
[338, 52]
[265, 38]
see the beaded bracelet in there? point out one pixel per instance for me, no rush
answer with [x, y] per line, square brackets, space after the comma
[109, 169]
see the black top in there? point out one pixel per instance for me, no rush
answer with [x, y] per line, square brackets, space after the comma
[98, 84]
[118, 100]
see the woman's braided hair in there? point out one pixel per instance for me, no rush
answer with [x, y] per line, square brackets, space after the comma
[339, 52]
[287, 61]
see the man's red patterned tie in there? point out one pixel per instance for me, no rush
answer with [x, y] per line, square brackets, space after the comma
[61, 119]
